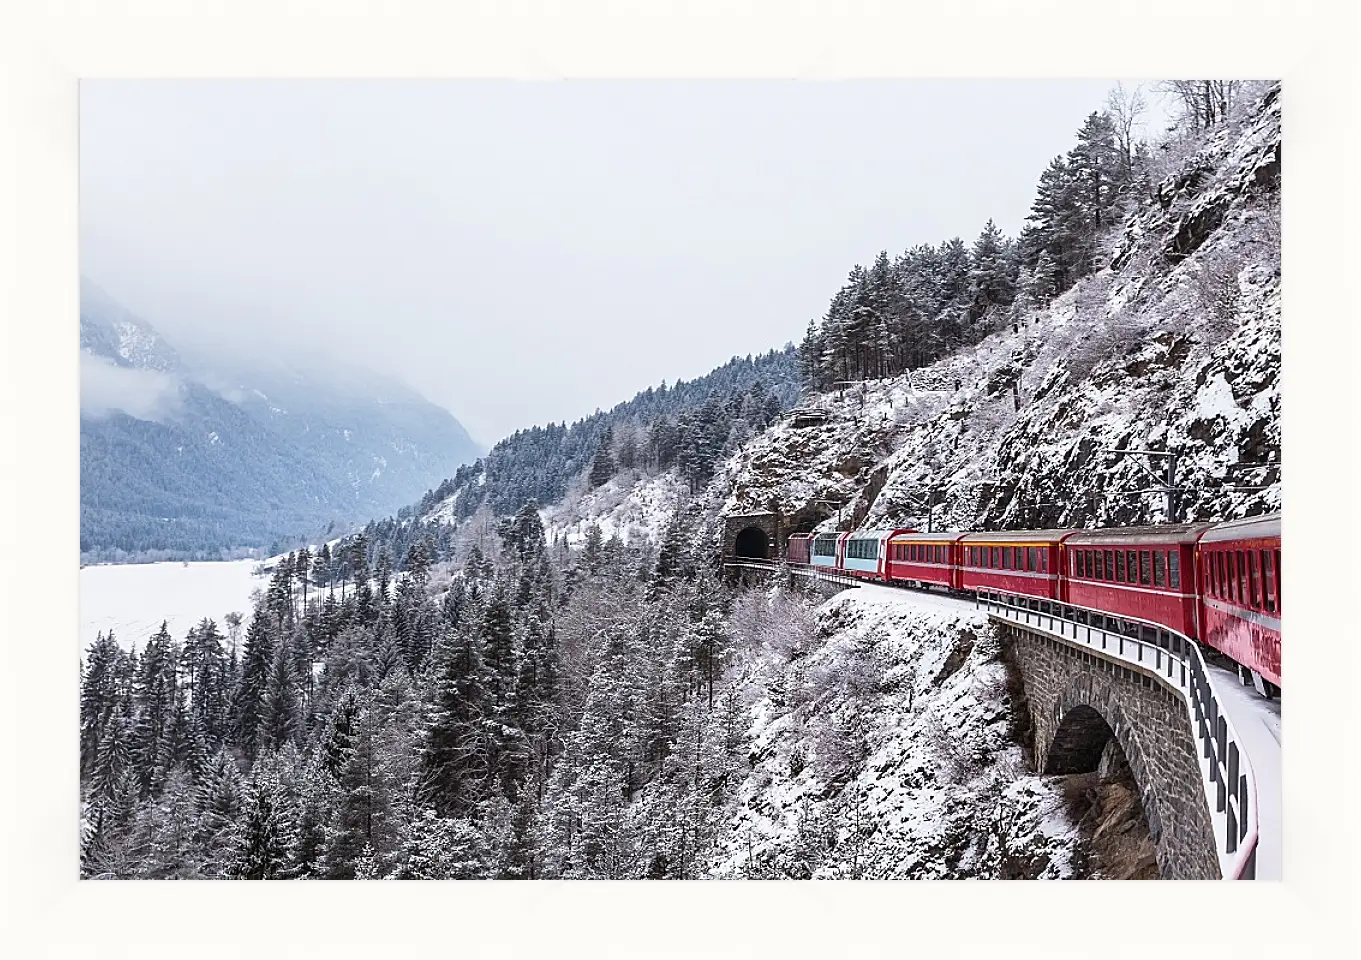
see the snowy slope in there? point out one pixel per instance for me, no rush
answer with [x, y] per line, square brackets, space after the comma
[633, 506]
[884, 748]
[1173, 346]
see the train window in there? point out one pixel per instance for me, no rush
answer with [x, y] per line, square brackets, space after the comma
[1159, 572]
[1279, 578]
[1032, 560]
[1044, 560]
[938, 554]
[1100, 571]
[995, 561]
[1174, 570]
[1255, 578]
[1145, 568]
[1091, 564]
[1131, 567]
[1242, 577]
[1120, 566]
[1220, 579]
[1110, 566]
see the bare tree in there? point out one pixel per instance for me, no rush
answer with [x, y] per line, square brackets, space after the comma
[1126, 107]
[1204, 102]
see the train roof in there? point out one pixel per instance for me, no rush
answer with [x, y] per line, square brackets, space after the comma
[873, 534]
[1018, 536]
[1161, 533]
[918, 536]
[1251, 528]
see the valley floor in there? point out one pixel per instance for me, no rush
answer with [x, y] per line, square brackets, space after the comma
[132, 599]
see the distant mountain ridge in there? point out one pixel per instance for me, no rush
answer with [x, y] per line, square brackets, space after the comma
[191, 456]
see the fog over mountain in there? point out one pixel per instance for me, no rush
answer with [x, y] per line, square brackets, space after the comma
[521, 253]
[210, 454]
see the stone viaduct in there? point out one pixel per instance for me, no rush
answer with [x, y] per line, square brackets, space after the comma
[1080, 700]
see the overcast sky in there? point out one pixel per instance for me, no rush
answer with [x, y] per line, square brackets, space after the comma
[521, 252]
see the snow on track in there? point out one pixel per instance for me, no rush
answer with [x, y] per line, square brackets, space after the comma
[1257, 721]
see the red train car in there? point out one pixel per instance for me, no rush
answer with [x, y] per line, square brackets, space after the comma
[1142, 572]
[800, 548]
[925, 558]
[1023, 562]
[1238, 565]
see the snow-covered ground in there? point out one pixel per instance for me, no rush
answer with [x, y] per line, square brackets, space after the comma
[884, 748]
[132, 599]
[631, 505]
[1257, 722]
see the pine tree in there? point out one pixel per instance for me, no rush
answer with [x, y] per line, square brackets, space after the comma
[266, 835]
[603, 466]
[453, 750]
[256, 662]
[218, 800]
[99, 698]
[204, 669]
[279, 718]
[154, 698]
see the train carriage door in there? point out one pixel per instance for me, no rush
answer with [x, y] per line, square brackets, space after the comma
[1280, 605]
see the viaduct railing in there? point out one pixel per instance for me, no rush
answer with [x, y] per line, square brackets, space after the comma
[1171, 658]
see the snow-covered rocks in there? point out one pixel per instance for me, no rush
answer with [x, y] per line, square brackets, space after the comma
[885, 747]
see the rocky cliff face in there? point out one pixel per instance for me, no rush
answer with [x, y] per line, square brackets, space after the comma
[1174, 346]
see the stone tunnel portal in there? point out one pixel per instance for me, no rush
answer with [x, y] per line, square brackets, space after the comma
[753, 544]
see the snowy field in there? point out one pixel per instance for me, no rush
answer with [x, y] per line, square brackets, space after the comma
[132, 599]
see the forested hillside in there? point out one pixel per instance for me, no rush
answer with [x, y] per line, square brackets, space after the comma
[1163, 336]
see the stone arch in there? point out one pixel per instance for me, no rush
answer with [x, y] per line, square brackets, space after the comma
[1078, 742]
[1087, 717]
[752, 543]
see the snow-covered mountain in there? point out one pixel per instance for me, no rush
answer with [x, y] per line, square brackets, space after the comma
[1173, 346]
[193, 456]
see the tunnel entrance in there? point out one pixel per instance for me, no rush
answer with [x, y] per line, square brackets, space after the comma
[753, 544]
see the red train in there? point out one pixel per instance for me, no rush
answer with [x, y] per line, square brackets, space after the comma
[1217, 583]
